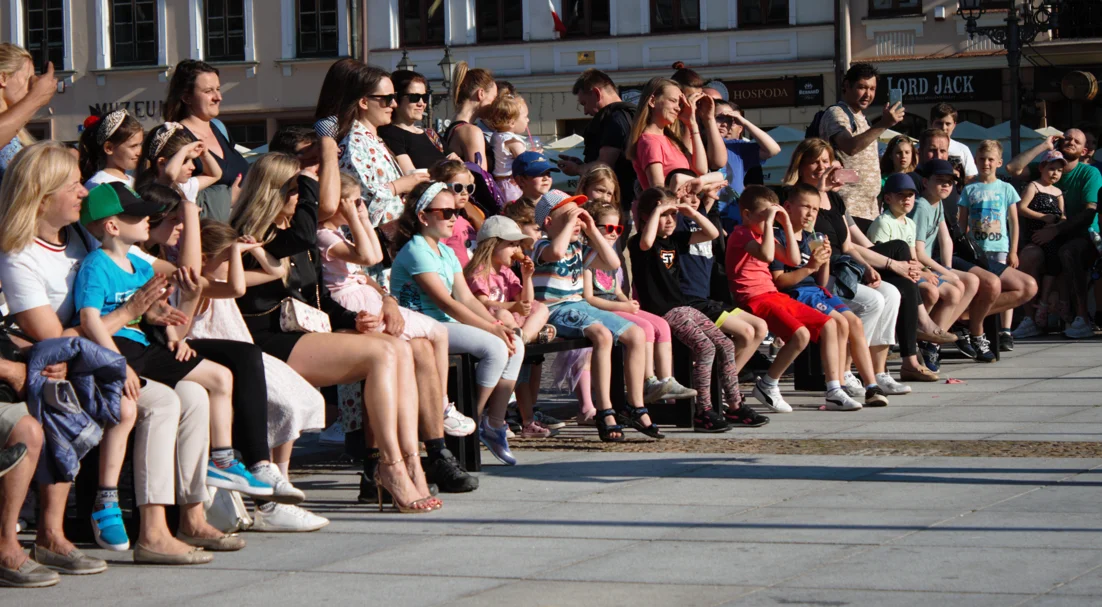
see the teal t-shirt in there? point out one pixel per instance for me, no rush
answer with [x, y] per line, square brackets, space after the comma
[988, 205]
[417, 257]
[103, 285]
[927, 218]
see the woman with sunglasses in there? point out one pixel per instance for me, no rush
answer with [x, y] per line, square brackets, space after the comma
[413, 147]
[426, 277]
[368, 104]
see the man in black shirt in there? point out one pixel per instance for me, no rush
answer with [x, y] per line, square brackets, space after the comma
[606, 137]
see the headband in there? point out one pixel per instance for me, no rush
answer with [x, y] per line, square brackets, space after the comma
[429, 194]
[166, 131]
[107, 125]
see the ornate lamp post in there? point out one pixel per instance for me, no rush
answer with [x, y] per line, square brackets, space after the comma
[447, 69]
[1024, 22]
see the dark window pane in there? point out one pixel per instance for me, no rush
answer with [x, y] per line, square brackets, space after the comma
[318, 28]
[134, 32]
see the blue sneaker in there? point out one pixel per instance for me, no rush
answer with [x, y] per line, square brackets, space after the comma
[931, 355]
[496, 441]
[236, 478]
[109, 529]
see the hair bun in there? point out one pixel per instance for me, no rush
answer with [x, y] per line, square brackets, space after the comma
[92, 121]
[678, 65]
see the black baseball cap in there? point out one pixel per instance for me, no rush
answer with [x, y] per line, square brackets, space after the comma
[115, 198]
[899, 182]
[936, 166]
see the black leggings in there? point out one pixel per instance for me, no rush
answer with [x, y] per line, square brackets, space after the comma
[906, 325]
[250, 394]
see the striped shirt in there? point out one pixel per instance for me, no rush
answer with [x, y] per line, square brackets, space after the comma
[561, 280]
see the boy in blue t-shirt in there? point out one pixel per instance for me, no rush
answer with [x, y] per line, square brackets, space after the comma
[988, 213]
[108, 277]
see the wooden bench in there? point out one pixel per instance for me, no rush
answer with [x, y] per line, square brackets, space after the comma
[463, 390]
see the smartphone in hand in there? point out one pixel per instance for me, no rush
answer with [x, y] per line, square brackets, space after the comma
[895, 96]
[846, 176]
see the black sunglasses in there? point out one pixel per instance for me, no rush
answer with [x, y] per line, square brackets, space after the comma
[385, 100]
[418, 97]
[444, 214]
[725, 120]
[458, 188]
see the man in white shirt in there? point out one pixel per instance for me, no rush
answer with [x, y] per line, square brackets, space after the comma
[944, 116]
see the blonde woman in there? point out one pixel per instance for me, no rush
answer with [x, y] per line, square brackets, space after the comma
[40, 250]
[666, 135]
[270, 213]
[22, 94]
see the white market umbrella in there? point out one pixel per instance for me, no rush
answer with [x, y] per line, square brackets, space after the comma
[570, 141]
[1002, 131]
[889, 134]
[1049, 131]
[970, 131]
[786, 134]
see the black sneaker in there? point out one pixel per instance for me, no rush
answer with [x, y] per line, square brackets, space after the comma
[1006, 341]
[983, 349]
[875, 397]
[744, 416]
[709, 421]
[446, 472]
[965, 344]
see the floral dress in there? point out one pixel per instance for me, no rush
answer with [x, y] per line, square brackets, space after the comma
[7, 154]
[367, 157]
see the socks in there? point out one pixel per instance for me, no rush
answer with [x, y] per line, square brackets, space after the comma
[833, 385]
[769, 381]
[284, 468]
[435, 448]
[870, 386]
[105, 497]
[222, 456]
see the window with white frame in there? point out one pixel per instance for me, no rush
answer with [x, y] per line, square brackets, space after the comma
[133, 32]
[44, 32]
[762, 12]
[499, 20]
[224, 29]
[318, 28]
[421, 22]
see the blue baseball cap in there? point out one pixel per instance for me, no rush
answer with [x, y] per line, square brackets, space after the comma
[899, 182]
[532, 164]
[553, 200]
[936, 166]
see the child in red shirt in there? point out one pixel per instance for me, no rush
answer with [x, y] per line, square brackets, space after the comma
[748, 259]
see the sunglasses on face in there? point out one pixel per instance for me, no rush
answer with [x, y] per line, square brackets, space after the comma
[417, 97]
[612, 228]
[384, 100]
[725, 120]
[459, 188]
[444, 214]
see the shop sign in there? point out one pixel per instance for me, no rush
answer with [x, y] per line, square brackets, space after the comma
[142, 110]
[935, 87]
[776, 92]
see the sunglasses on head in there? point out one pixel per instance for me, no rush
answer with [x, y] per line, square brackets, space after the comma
[612, 228]
[384, 100]
[418, 97]
[459, 188]
[444, 214]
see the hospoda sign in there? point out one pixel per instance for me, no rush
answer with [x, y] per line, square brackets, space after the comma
[934, 87]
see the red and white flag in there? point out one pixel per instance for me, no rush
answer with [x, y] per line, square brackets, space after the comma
[559, 27]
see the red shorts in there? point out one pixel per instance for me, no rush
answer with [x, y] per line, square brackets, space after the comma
[785, 315]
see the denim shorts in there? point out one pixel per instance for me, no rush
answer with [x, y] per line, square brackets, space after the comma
[572, 318]
[993, 266]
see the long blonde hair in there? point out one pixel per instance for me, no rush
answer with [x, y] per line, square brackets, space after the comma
[39, 171]
[808, 149]
[653, 89]
[263, 194]
[482, 259]
[12, 59]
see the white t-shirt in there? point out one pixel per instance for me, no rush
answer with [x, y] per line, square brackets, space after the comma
[105, 177]
[190, 189]
[961, 151]
[42, 275]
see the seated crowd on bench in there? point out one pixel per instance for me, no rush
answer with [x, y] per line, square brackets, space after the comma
[198, 302]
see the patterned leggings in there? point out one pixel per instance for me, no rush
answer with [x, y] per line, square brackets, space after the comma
[692, 328]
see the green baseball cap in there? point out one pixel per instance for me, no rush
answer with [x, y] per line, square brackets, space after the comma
[115, 198]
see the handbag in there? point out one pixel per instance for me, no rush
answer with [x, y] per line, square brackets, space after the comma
[848, 274]
[296, 316]
[226, 510]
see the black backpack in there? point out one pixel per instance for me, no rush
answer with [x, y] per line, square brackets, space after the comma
[813, 128]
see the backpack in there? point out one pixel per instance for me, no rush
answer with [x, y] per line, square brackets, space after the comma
[486, 196]
[813, 128]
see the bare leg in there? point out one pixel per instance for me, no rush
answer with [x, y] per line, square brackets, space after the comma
[788, 353]
[601, 367]
[112, 448]
[219, 383]
[828, 351]
[946, 310]
[859, 349]
[988, 291]
[747, 331]
[416, 370]
[431, 418]
[634, 342]
[281, 457]
[662, 359]
[648, 360]
[13, 490]
[535, 321]
[439, 339]
[51, 519]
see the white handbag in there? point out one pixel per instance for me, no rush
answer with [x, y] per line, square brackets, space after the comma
[226, 510]
[297, 316]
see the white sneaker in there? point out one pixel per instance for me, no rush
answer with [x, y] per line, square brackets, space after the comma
[852, 385]
[654, 390]
[1080, 329]
[333, 435]
[1026, 329]
[891, 387]
[770, 396]
[283, 492]
[285, 518]
[457, 424]
[838, 400]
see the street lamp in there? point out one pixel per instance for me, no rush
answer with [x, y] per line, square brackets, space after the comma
[1023, 24]
[405, 65]
[447, 69]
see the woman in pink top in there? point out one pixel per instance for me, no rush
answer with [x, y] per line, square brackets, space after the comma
[666, 135]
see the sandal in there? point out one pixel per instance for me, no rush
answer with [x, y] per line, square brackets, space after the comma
[604, 430]
[419, 506]
[413, 459]
[632, 415]
[546, 334]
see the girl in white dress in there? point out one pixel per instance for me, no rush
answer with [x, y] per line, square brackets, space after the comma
[508, 117]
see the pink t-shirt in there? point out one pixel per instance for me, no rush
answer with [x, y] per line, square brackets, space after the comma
[653, 148]
[748, 276]
[501, 287]
[335, 273]
[462, 240]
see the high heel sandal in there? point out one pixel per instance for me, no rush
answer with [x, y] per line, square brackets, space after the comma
[410, 458]
[604, 430]
[632, 417]
[421, 506]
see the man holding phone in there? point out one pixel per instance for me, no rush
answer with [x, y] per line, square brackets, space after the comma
[844, 125]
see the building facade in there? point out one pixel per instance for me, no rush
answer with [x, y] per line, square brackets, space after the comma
[775, 56]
